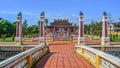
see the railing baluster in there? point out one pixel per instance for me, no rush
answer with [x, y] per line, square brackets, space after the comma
[97, 61]
[25, 59]
[29, 61]
[98, 58]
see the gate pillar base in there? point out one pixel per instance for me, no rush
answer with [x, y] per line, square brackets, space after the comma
[105, 41]
[41, 40]
[18, 40]
[81, 41]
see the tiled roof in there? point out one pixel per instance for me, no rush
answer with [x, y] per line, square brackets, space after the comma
[61, 23]
[116, 23]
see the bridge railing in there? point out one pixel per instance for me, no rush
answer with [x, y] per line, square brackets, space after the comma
[25, 59]
[98, 58]
[27, 40]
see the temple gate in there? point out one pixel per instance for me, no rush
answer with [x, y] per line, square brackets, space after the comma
[61, 29]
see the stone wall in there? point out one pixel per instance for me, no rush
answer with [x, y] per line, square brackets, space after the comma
[9, 51]
[112, 50]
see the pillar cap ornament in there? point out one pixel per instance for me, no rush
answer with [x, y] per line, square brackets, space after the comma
[42, 14]
[81, 16]
[105, 16]
[19, 14]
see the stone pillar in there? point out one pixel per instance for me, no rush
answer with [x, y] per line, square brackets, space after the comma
[52, 34]
[18, 38]
[81, 39]
[42, 30]
[68, 34]
[105, 38]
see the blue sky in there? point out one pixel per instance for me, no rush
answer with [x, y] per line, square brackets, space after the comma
[61, 9]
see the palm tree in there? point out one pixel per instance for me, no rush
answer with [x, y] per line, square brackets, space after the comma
[46, 21]
[24, 27]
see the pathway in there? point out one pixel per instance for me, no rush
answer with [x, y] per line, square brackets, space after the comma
[62, 56]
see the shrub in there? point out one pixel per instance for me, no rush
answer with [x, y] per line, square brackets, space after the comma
[13, 37]
[116, 35]
[3, 37]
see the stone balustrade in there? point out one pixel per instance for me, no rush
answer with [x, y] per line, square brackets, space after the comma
[98, 58]
[27, 40]
[25, 59]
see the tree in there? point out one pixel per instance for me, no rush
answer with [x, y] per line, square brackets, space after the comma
[38, 24]
[75, 26]
[33, 30]
[14, 28]
[94, 28]
[24, 27]
[6, 28]
[46, 21]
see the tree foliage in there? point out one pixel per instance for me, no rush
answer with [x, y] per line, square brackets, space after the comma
[7, 28]
[94, 28]
[24, 27]
[33, 30]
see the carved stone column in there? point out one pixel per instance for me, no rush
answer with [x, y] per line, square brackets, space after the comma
[53, 32]
[105, 40]
[18, 38]
[81, 39]
[42, 29]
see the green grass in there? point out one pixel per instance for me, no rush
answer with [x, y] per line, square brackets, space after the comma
[8, 39]
[1, 60]
[115, 40]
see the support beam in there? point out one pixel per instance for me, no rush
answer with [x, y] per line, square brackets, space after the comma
[105, 40]
[18, 38]
[42, 29]
[81, 39]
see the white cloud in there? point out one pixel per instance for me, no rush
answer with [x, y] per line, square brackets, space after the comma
[16, 12]
[8, 12]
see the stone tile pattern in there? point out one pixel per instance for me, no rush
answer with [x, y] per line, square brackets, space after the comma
[62, 56]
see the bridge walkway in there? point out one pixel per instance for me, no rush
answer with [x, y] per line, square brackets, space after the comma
[62, 56]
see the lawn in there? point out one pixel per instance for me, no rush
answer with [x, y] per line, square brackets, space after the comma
[115, 40]
[7, 39]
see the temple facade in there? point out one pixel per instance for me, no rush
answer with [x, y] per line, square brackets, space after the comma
[61, 29]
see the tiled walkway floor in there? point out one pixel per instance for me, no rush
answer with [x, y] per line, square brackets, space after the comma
[62, 56]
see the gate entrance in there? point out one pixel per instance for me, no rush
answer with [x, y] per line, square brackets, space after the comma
[61, 34]
[61, 29]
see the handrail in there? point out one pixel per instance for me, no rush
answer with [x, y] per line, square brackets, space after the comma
[27, 39]
[98, 58]
[26, 58]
